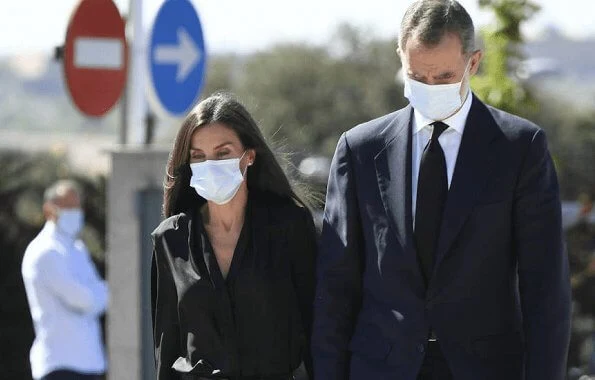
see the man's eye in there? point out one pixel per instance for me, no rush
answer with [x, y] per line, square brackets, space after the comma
[222, 154]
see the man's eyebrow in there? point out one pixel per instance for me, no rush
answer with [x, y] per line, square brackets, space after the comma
[445, 74]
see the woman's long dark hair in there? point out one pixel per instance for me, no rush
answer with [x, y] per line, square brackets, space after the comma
[265, 174]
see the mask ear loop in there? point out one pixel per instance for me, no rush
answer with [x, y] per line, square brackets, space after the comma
[466, 74]
[248, 164]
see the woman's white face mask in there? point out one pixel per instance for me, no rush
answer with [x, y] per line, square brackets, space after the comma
[437, 101]
[217, 181]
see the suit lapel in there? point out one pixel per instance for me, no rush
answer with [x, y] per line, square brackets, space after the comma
[393, 172]
[472, 169]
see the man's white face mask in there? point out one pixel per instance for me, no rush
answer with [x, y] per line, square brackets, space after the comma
[70, 221]
[437, 101]
[217, 180]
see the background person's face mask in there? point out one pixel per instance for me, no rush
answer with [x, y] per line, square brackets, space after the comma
[217, 180]
[70, 221]
[437, 101]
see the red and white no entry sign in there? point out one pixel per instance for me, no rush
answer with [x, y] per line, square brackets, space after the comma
[95, 56]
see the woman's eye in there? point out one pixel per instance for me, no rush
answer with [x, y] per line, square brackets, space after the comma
[222, 154]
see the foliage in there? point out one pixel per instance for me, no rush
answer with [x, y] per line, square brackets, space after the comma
[305, 96]
[571, 139]
[23, 181]
[495, 85]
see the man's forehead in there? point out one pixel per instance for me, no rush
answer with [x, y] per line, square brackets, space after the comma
[449, 42]
[64, 191]
[433, 59]
[66, 196]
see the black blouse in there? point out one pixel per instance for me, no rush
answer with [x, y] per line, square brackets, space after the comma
[255, 323]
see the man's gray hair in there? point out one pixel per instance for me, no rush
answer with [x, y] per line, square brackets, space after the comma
[59, 188]
[430, 20]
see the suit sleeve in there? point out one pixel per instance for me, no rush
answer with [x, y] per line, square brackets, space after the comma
[304, 278]
[339, 289]
[543, 265]
[166, 332]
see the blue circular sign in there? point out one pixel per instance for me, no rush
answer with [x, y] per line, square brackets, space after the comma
[177, 57]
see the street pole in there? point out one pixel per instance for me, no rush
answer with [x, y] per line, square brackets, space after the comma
[136, 103]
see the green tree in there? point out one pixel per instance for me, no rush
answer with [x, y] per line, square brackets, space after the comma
[222, 71]
[304, 96]
[494, 84]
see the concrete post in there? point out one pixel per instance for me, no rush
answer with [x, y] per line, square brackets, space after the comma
[131, 215]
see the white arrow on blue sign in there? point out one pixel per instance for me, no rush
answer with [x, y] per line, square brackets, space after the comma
[177, 57]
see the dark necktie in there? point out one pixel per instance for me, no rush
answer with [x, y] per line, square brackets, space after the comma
[432, 189]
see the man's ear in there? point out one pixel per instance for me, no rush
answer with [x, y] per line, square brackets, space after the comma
[50, 211]
[475, 61]
[400, 54]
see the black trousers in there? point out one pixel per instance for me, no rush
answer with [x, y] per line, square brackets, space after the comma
[434, 366]
[63, 374]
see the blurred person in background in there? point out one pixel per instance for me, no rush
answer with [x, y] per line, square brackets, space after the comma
[233, 263]
[65, 293]
[441, 253]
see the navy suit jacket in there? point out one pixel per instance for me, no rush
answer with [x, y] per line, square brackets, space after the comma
[499, 296]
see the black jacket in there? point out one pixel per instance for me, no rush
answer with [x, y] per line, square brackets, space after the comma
[256, 324]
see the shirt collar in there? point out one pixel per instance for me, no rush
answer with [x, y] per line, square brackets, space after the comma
[456, 121]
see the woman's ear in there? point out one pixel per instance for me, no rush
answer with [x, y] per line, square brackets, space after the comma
[251, 154]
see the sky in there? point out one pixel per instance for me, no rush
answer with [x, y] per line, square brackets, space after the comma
[35, 26]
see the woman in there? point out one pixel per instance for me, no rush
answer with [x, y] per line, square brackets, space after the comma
[233, 263]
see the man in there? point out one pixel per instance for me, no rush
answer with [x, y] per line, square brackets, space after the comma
[441, 249]
[66, 295]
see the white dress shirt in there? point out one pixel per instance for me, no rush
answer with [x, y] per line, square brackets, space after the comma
[66, 297]
[450, 141]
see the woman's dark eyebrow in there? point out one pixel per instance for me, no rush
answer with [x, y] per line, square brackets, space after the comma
[222, 145]
[217, 147]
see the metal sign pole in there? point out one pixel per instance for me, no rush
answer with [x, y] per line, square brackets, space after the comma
[136, 101]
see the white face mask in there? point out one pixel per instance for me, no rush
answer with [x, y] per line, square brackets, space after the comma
[217, 180]
[70, 221]
[437, 101]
